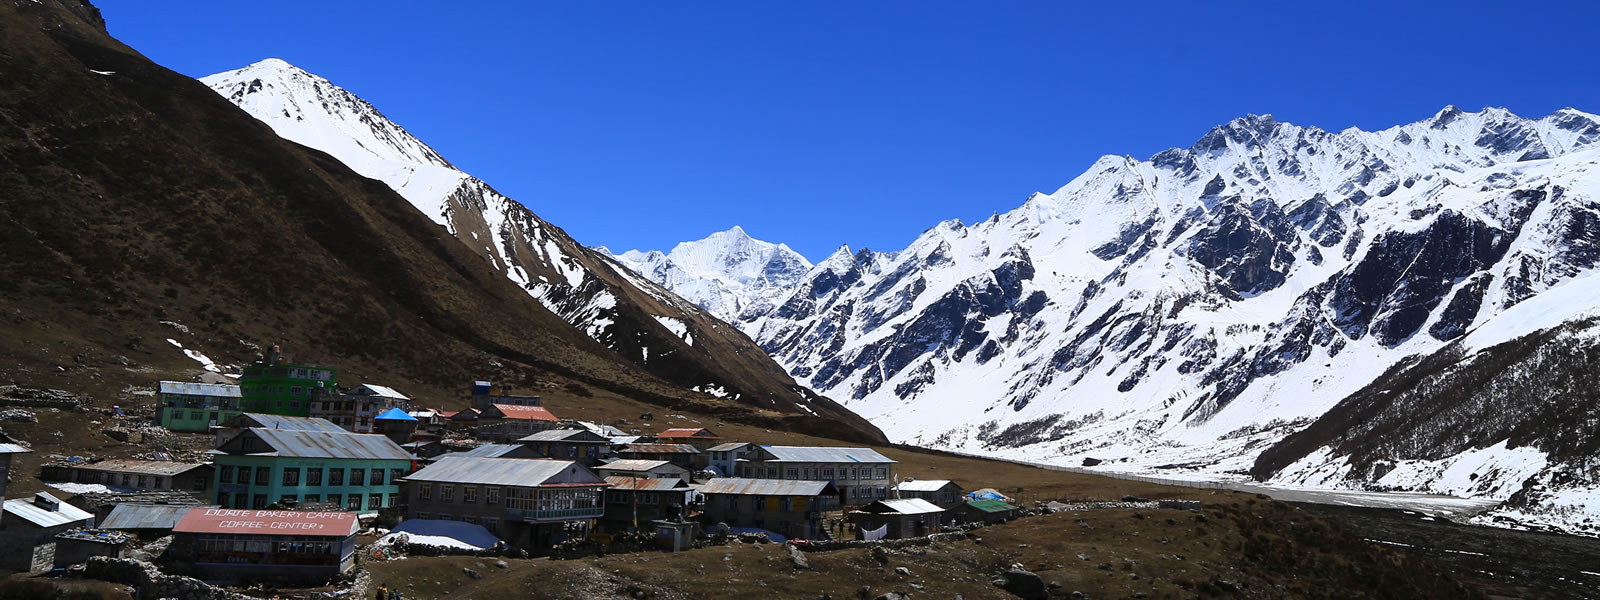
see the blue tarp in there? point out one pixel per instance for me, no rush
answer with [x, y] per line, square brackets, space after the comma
[395, 414]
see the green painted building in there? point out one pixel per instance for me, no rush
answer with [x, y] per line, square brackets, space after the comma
[283, 389]
[185, 406]
[260, 466]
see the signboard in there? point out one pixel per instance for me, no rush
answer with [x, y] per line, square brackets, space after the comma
[267, 522]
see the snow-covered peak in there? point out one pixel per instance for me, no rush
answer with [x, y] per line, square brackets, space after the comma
[727, 272]
[310, 110]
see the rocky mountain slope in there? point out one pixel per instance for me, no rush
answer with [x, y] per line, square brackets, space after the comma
[1187, 311]
[638, 319]
[143, 212]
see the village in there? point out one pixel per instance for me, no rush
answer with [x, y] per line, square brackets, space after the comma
[296, 469]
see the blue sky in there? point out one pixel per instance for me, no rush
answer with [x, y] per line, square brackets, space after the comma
[642, 124]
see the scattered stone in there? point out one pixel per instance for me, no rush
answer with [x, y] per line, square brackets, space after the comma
[902, 571]
[798, 558]
[864, 592]
[1133, 499]
[502, 564]
[17, 415]
[893, 596]
[1025, 584]
[1105, 566]
[880, 555]
[1083, 557]
[471, 573]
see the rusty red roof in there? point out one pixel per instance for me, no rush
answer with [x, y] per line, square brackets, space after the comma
[267, 522]
[689, 432]
[532, 413]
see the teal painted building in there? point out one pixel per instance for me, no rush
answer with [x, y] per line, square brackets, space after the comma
[185, 406]
[260, 466]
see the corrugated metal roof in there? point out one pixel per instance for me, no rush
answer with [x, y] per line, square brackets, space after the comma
[767, 487]
[634, 465]
[378, 390]
[13, 449]
[24, 508]
[660, 449]
[823, 454]
[145, 516]
[991, 505]
[623, 440]
[563, 435]
[646, 484]
[729, 446]
[531, 413]
[282, 422]
[922, 485]
[267, 522]
[199, 389]
[523, 472]
[909, 506]
[321, 444]
[489, 451]
[689, 432]
[148, 467]
[395, 414]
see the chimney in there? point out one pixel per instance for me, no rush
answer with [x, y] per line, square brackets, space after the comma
[44, 501]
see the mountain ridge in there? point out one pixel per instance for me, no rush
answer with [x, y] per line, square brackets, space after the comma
[1188, 311]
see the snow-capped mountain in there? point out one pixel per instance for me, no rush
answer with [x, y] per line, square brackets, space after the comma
[644, 322]
[1189, 310]
[728, 273]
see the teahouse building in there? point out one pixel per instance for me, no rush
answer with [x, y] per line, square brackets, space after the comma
[31, 525]
[645, 469]
[530, 503]
[683, 455]
[941, 492]
[357, 410]
[219, 544]
[358, 471]
[579, 445]
[276, 387]
[699, 437]
[195, 407]
[895, 519]
[129, 474]
[787, 507]
[725, 457]
[505, 422]
[636, 501]
[861, 474]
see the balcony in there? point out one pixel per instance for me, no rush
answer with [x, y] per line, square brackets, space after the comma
[560, 514]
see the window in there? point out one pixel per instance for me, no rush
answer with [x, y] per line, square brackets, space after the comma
[791, 473]
[197, 415]
[827, 473]
[491, 496]
[447, 493]
[377, 477]
[244, 475]
[422, 515]
[354, 503]
[394, 499]
[469, 494]
[469, 519]
[395, 475]
[883, 472]
[314, 476]
[374, 501]
[291, 477]
[335, 476]
[227, 474]
[222, 499]
[357, 476]
[786, 504]
[263, 475]
[336, 499]
[425, 491]
[295, 390]
[313, 498]
[493, 525]
[772, 472]
[572, 451]
[200, 483]
[289, 499]
[259, 501]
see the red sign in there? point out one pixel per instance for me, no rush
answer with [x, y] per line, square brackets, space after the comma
[267, 522]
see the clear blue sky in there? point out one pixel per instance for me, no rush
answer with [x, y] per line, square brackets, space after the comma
[642, 124]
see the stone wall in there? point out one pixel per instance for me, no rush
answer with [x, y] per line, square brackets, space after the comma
[150, 583]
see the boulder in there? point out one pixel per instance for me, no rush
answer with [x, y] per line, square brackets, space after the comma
[1024, 584]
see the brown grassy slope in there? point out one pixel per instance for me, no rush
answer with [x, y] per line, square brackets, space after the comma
[1238, 547]
[141, 196]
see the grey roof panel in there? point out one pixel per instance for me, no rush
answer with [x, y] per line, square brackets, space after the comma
[282, 422]
[321, 444]
[922, 485]
[826, 454]
[523, 472]
[145, 516]
[635, 465]
[489, 450]
[564, 435]
[910, 506]
[24, 508]
[765, 487]
[185, 388]
[13, 449]
[148, 467]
